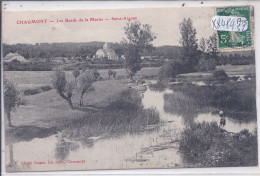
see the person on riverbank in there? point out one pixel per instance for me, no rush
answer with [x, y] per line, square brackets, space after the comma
[222, 119]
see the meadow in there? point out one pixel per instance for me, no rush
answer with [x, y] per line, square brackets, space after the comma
[44, 109]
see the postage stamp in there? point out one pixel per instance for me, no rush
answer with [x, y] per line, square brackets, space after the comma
[234, 26]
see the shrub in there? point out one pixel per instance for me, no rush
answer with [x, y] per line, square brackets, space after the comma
[220, 75]
[197, 139]
[171, 69]
[110, 73]
[114, 74]
[159, 86]
[75, 73]
[96, 74]
[206, 64]
[36, 90]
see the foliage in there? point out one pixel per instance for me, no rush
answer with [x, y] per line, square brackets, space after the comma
[198, 139]
[206, 63]
[171, 69]
[114, 74]
[133, 60]
[85, 82]
[63, 86]
[202, 45]
[212, 48]
[11, 98]
[29, 66]
[109, 72]
[75, 72]
[189, 44]
[207, 145]
[36, 90]
[220, 75]
[95, 74]
[231, 97]
[139, 38]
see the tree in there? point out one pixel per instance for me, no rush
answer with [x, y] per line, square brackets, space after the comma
[27, 55]
[110, 73]
[76, 73]
[189, 44]
[206, 63]
[171, 69]
[63, 87]
[11, 99]
[212, 48]
[139, 38]
[202, 45]
[86, 80]
[96, 74]
[114, 74]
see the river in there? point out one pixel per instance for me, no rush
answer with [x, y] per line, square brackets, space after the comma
[150, 149]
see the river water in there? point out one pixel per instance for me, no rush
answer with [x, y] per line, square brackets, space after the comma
[150, 149]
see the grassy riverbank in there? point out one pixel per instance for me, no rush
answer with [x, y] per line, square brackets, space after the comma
[124, 113]
[207, 145]
[236, 99]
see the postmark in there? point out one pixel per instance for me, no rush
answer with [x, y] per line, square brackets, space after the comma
[234, 27]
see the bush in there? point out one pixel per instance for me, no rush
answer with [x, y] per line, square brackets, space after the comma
[207, 145]
[36, 90]
[171, 69]
[110, 73]
[220, 75]
[206, 64]
[159, 86]
[198, 139]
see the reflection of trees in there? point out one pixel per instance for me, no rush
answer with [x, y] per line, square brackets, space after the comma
[179, 104]
[63, 149]
[188, 116]
[12, 164]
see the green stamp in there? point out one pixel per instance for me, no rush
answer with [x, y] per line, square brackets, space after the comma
[233, 26]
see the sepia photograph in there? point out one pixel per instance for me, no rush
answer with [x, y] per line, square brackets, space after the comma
[136, 88]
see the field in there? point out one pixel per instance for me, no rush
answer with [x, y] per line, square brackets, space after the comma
[231, 71]
[46, 110]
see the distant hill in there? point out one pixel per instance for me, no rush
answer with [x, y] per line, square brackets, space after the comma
[83, 49]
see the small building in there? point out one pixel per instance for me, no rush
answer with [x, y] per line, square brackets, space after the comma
[106, 52]
[14, 56]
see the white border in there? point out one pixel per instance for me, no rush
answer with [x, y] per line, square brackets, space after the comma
[66, 5]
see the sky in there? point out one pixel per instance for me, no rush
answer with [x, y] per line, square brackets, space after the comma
[164, 23]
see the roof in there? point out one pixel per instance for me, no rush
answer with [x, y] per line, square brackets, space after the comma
[14, 56]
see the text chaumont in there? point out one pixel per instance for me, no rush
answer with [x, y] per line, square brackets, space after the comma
[36, 21]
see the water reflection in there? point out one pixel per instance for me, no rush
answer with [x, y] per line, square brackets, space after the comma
[63, 148]
[12, 165]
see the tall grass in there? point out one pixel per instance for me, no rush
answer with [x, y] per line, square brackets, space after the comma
[123, 114]
[207, 145]
[229, 97]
